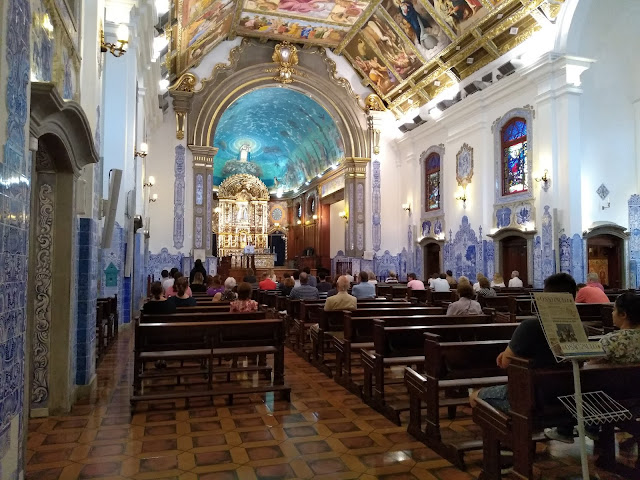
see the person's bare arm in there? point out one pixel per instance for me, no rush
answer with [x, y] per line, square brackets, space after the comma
[504, 359]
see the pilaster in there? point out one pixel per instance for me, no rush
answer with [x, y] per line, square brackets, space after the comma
[202, 193]
[355, 172]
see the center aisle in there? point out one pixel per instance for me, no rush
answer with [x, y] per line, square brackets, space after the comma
[325, 432]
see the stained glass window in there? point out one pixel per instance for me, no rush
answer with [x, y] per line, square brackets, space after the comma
[514, 157]
[432, 182]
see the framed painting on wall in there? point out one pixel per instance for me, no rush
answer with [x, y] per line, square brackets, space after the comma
[464, 165]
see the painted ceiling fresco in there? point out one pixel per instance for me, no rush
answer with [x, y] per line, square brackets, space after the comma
[290, 138]
[407, 51]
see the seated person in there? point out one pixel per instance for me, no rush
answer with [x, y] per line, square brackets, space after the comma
[515, 281]
[312, 280]
[167, 280]
[432, 279]
[334, 287]
[324, 285]
[372, 278]
[392, 278]
[440, 284]
[450, 279]
[592, 292]
[214, 285]
[158, 303]
[528, 341]
[364, 289]
[182, 298]
[250, 276]
[414, 283]
[287, 285]
[227, 295]
[466, 305]
[296, 279]
[244, 302]
[349, 276]
[485, 289]
[497, 281]
[341, 300]
[266, 283]
[171, 291]
[198, 283]
[476, 286]
[304, 291]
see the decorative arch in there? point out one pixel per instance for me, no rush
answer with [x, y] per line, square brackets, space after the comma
[500, 235]
[428, 153]
[319, 81]
[527, 114]
[243, 184]
[424, 246]
[613, 229]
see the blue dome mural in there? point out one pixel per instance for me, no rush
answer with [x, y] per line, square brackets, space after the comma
[288, 135]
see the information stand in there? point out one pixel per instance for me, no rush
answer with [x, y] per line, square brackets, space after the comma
[568, 341]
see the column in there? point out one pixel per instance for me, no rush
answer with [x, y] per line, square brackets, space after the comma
[182, 94]
[354, 198]
[202, 197]
[375, 120]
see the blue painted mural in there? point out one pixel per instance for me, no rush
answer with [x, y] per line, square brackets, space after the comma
[289, 137]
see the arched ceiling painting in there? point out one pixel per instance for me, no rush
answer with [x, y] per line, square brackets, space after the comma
[407, 51]
[290, 138]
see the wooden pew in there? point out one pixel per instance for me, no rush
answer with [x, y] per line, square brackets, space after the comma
[206, 341]
[452, 364]
[405, 346]
[505, 305]
[533, 398]
[438, 299]
[201, 316]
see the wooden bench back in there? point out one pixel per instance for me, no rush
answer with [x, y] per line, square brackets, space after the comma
[360, 329]
[394, 341]
[180, 317]
[420, 296]
[223, 334]
[455, 360]
[439, 298]
[505, 303]
[209, 307]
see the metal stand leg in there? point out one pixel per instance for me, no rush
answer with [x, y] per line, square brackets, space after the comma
[580, 417]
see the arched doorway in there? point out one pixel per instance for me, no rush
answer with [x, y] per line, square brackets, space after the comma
[514, 256]
[606, 253]
[431, 256]
[278, 246]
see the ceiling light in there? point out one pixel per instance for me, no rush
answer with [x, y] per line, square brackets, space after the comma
[162, 6]
[513, 30]
[435, 112]
[458, 48]
[499, 16]
[437, 83]
[319, 175]
[334, 167]
[469, 60]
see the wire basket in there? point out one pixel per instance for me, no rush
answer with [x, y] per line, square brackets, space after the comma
[597, 407]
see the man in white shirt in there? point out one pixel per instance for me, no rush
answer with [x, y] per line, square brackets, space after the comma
[441, 284]
[249, 249]
[515, 281]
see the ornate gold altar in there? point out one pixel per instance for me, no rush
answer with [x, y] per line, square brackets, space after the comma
[243, 220]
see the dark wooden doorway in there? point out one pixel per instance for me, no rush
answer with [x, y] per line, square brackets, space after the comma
[605, 258]
[514, 257]
[278, 246]
[431, 259]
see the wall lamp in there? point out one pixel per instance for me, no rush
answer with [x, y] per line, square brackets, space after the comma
[344, 215]
[299, 222]
[151, 181]
[122, 38]
[545, 179]
[315, 217]
[407, 207]
[153, 198]
[463, 197]
[143, 152]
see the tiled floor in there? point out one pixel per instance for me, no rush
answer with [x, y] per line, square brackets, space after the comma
[324, 432]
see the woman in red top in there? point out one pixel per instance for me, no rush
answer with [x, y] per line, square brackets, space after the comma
[244, 302]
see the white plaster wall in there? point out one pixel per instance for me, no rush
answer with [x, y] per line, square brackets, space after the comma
[610, 87]
[337, 228]
[160, 164]
[220, 54]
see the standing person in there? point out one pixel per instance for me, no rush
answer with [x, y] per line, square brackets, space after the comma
[304, 291]
[227, 295]
[158, 303]
[266, 283]
[198, 267]
[414, 283]
[244, 302]
[515, 281]
[167, 281]
[341, 300]
[440, 284]
[182, 298]
[364, 289]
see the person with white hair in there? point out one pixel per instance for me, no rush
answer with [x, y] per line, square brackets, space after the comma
[593, 291]
[515, 281]
[341, 300]
[228, 295]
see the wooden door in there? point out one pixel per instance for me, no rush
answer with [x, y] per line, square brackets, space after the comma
[514, 257]
[431, 259]
[605, 259]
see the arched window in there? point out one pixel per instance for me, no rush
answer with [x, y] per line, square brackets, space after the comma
[513, 138]
[432, 182]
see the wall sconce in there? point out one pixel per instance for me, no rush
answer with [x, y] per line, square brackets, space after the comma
[151, 181]
[605, 204]
[545, 179]
[463, 197]
[344, 215]
[153, 198]
[407, 207]
[315, 217]
[122, 37]
[299, 222]
[287, 56]
[142, 153]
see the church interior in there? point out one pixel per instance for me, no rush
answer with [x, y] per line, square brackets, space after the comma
[258, 138]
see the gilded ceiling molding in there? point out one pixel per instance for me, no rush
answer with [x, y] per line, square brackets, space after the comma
[182, 94]
[234, 56]
[355, 28]
[375, 103]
